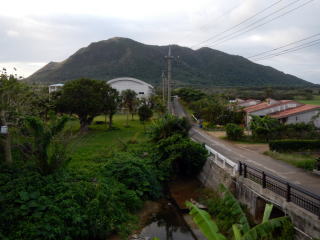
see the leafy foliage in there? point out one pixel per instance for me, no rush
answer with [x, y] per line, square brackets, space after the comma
[264, 127]
[63, 205]
[45, 149]
[234, 131]
[135, 174]
[179, 155]
[286, 145]
[168, 126]
[83, 97]
[111, 101]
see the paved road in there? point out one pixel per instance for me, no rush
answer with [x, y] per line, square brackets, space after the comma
[298, 176]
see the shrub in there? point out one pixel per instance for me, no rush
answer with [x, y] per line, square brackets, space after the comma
[62, 205]
[234, 131]
[168, 126]
[179, 155]
[135, 174]
[294, 145]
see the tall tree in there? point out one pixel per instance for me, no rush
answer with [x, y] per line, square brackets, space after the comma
[13, 102]
[84, 98]
[111, 102]
[129, 99]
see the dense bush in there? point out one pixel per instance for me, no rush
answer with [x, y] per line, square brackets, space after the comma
[135, 174]
[62, 206]
[234, 131]
[265, 128]
[294, 145]
[168, 126]
[180, 155]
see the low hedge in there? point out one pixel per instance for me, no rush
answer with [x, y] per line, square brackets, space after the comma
[294, 145]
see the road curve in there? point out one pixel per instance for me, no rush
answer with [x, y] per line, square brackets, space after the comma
[307, 180]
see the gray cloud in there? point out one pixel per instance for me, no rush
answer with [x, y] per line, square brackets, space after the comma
[54, 37]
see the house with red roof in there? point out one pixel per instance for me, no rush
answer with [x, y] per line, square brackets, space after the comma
[305, 113]
[268, 107]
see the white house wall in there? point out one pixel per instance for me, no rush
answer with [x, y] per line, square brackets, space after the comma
[305, 117]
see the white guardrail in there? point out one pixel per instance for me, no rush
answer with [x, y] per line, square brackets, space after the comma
[222, 161]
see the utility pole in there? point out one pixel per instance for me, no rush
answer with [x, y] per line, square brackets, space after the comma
[164, 87]
[169, 81]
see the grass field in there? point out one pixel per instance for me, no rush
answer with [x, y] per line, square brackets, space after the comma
[90, 150]
[315, 101]
[301, 161]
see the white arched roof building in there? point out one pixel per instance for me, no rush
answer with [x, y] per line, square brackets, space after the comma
[143, 89]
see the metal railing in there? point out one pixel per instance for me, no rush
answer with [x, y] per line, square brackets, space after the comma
[291, 192]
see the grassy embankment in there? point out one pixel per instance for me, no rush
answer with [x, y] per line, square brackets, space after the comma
[88, 151]
[306, 161]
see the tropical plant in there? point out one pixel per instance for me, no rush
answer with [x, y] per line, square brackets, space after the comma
[129, 101]
[179, 155]
[234, 131]
[14, 96]
[264, 128]
[45, 147]
[168, 126]
[83, 97]
[240, 227]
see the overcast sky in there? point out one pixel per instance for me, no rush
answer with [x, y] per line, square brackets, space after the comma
[35, 32]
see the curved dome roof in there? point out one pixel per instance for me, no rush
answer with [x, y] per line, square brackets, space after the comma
[129, 79]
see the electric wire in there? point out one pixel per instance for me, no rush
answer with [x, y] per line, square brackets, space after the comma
[310, 44]
[257, 21]
[244, 21]
[289, 44]
[271, 20]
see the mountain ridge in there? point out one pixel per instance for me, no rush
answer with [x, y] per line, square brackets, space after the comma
[204, 67]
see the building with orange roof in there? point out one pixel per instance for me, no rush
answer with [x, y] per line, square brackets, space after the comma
[305, 113]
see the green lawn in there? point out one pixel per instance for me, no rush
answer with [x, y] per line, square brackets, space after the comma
[315, 101]
[306, 161]
[90, 150]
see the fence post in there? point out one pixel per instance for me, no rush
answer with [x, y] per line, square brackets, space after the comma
[245, 170]
[288, 192]
[264, 183]
[240, 168]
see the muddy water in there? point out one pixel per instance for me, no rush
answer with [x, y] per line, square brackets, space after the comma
[167, 224]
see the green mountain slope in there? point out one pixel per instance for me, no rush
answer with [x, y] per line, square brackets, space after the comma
[118, 57]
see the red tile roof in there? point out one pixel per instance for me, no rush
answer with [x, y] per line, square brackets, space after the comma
[265, 105]
[294, 111]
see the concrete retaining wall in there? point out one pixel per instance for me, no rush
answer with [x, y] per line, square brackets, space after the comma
[255, 197]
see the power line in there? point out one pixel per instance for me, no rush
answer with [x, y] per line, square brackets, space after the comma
[247, 19]
[289, 44]
[257, 21]
[271, 20]
[294, 49]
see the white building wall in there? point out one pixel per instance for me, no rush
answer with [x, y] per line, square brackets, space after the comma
[248, 103]
[305, 117]
[142, 90]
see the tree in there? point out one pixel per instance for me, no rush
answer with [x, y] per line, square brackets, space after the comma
[45, 147]
[111, 102]
[83, 97]
[145, 113]
[13, 105]
[234, 131]
[129, 101]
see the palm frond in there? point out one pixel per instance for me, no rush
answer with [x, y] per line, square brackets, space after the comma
[203, 220]
[265, 229]
[235, 209]
[267, 212]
